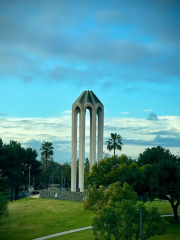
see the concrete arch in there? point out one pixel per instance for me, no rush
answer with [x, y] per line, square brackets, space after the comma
[87, 100]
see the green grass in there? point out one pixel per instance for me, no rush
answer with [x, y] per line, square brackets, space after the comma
[82, 235]
[164, 207]
[173, 232]
[33, 218]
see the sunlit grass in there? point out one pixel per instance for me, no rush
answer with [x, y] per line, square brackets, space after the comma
[33, 218]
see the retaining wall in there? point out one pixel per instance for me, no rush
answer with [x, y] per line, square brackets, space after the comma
[61, 194]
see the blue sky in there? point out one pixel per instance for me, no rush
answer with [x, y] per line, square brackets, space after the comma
[126, 52]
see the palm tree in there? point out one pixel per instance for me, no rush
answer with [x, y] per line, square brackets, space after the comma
[47, 151]
[115, 142]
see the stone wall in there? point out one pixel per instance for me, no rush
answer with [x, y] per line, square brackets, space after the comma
[61, 194]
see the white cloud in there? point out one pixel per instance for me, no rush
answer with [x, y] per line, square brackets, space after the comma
[124, 112]
[67, 112]
[136, 133]
[147, 110]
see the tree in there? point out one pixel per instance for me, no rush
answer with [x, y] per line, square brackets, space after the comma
[47, 151]
[65, 174]
[152, 155]
[3, 206]
[15, 161]
[108, 170]
[116, 213]
[86, 172]
[115, 142]
[163, 175]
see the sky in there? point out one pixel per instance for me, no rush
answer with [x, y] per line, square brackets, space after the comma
[126, 51]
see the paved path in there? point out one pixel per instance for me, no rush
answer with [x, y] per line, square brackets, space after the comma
[79, 229]
[169, 215]
[63, 233]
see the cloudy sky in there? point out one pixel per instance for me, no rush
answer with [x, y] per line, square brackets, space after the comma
[127, 52]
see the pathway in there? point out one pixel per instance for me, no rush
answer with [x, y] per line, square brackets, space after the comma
[63, 233]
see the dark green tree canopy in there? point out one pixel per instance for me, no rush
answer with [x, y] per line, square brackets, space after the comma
[153, 155]
[163, 175]
[15, 161]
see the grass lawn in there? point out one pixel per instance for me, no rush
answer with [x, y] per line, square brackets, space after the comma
[33, 218]
[173, 233]
[164, 207]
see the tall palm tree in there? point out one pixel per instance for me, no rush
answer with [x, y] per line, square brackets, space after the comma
[46, 151]
[115, 142]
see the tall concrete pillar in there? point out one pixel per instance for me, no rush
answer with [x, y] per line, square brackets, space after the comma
[74, 149]
[100, 133]
[92, 137]
[81, 149]
[86, 100]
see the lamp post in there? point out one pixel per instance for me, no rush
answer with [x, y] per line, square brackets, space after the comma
[33, 182]
[62, 175]
[140, 210]
[52, 178]
[29, 177]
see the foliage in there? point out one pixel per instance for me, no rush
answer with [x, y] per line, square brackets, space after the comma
[116, 213]
[46, 151]
[163, 175]
[86, 173]
[56, 172]
[152, 155]
[160, 177]
[109, 170]
[15, 161]
[115, 142]
[53, 168]
[65, 174]
[3, 206]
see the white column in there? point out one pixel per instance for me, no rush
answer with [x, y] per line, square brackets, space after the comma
[92, 137]
[100, 133]
[74, 150]
[81, 149]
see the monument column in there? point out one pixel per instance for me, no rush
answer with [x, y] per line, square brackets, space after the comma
[92, 137]
[74, 150]
[100, 133]
[81, 149]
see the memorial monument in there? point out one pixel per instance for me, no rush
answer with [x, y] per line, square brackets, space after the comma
[87, 100]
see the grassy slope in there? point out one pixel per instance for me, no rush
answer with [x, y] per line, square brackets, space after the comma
[33, 218]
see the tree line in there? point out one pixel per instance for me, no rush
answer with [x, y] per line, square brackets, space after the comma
[18, 163]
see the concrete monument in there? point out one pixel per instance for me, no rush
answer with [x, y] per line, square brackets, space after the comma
[87, 100]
